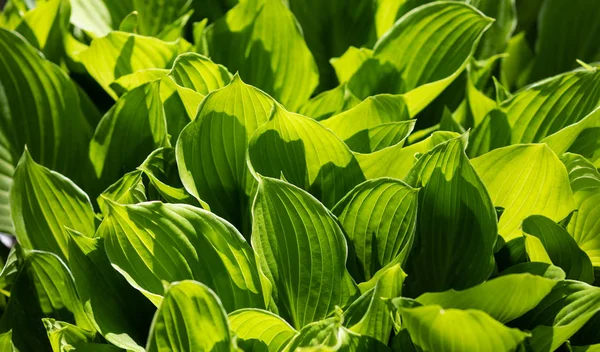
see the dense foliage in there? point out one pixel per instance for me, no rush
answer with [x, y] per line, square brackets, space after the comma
[300, 175]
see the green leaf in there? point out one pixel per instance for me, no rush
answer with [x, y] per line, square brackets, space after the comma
[45, 28]
[211, 151]
[6, 343]
[545, 270]
[565, 33]
[584, 225]
[155, 15]
[300, 247]
[446, 254]
[379, 216]
[41, 110]
[346, 65]
[199, 73]
[161, 169]
[504, 298]
[380, 137]
[117, 311]
[495, 40]
[330, 335]
[64, 336]
[187, 243]
[536, 252]
[98, 18]
[133, 80]
[516, 66]
[543, 109]
[561, 247]
[43, 288]
[119, 54]
[397, 160]
[260, 330]
[129, 23]
[270, 52]
[192, 318]
[403, 51]
[180, 104]
[369, 315]
[307, 154]
[129, 189]
[44, 202]
[569, 306]
[579, 138]
[329, 103]
[128, 132]
[525, 179]
[436, 329]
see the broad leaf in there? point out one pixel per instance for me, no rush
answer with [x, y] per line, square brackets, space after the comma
[119, 54]
[561, 248]
[98, 18]
[117, 310]
[187, 243]
[447, 253]
[380, 137]
[199, 73]
[211, 151]
[190, 318]
[127, 133]
[41, 109]
[503, 298]
[436, 329]
[43, 203]
[369, 315]
[584, 225]
[269, 50]
[260, 330]
[379, 216]
[129, 189]
[525, 179]
[307, 154]
[329, 103]
[156, 16]
[300, 247]
[43, 288]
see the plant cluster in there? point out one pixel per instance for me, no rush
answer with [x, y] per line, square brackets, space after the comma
[300, 175]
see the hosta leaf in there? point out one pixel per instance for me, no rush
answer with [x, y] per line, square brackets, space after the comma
[133, 80]
[584, 225]
[380, 137]
[516, 66]
[190, 318]
[495, 39]
[541, 110]
[118, 312]
[211, 151]
[561, 247]
[43, 202]
[346, 65]
[300, 248]
[41, 109]
[155, 15]
[45, 27]
[119, 54]
[329, 335]
[403, 51]
[397, 161]
[369, 315]
[43, 288]
[6, 343]
[129, 189]
[372, 112]
[436, 329]
[187, 243]
[379, 216]
[270, 52]
[329, 103]
[180, 104]
[127, 133]
[545, 270]
[307, 154]
[569, 306]
[446, 254]
[260, 330]
[197, 72]
[64, 336]
[525, 179]
[536, 252]
[161, 169]
[580, 138]
[565, 33]
[503, 298]
[99, 17]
